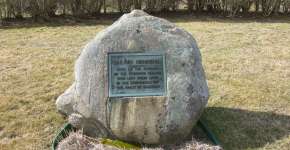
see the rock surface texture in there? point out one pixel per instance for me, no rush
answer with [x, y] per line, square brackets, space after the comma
[150, 119]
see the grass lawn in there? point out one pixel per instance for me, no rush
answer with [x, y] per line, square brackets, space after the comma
[247, 63]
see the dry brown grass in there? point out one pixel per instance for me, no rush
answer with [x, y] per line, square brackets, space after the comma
[247, 63]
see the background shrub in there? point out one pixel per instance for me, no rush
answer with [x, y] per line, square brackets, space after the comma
[81, 8]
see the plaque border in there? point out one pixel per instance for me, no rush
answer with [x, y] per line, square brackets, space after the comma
[158, 53]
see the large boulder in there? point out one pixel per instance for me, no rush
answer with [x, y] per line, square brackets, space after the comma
[148, 119]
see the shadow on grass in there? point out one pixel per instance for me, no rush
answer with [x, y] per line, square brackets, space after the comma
[242, 129]
[108, 19]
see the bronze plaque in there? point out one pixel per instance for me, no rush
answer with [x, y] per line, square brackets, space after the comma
[136, 74]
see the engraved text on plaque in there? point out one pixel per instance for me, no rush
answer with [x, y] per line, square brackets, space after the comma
[136, 74]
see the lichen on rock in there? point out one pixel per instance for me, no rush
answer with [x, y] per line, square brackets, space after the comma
[150, 119]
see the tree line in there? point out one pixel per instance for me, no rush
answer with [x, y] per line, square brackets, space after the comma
[81, 8]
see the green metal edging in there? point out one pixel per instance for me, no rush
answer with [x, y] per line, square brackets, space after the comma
[62, 134]
[67, 128]
[208, 132]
